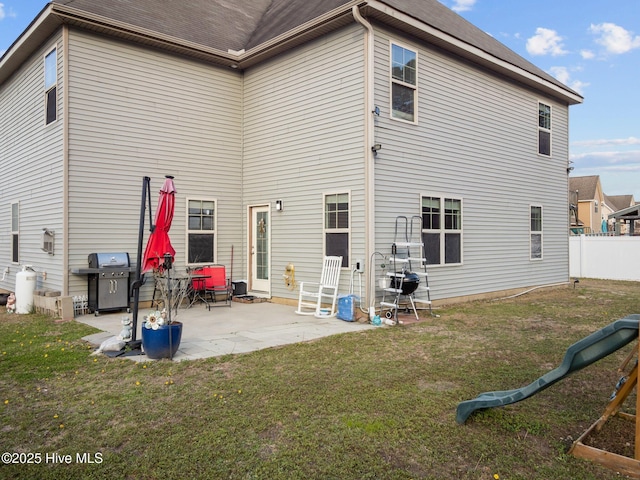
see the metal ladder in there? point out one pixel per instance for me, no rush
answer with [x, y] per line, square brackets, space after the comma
[401, 263]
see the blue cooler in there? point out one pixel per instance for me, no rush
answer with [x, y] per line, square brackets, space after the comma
[347, 307]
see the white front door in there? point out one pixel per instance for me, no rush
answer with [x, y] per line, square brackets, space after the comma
[259, 245]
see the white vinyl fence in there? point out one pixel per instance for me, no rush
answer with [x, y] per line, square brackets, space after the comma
[611, 258]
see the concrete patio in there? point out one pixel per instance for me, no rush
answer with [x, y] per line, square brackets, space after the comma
[242, 328]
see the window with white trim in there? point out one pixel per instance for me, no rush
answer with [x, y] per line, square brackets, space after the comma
[51, 86]
[536, 232]
[201, 231]
[544, 129]
[442, 230]
[15, 232]
[404, 81]
[336, 226]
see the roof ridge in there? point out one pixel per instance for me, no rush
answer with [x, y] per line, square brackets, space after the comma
[258, 24]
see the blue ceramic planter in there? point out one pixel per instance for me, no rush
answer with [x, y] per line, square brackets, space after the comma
[155, 343]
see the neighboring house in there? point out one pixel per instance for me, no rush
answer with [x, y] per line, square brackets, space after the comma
[625, 220]
[346, 113]
[591, 202]
[619, 203]
[594, 209]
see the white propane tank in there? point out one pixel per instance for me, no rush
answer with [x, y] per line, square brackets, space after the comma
[25, 288]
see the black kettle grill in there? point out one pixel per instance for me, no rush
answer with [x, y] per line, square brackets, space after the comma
[408, 284]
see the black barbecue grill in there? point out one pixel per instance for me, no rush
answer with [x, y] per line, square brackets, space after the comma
[408, 282]
[108, 275]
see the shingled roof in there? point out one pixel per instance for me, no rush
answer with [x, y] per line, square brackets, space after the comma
[619, 202]
[246, 31]
[217, 24]
[585, 186]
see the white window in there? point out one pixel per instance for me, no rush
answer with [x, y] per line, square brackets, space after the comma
[536, 232]
[404, 79]
[442, 230]
[201, 232]
[15, 232]
[51, 86]
[544, 129]
[336, 226]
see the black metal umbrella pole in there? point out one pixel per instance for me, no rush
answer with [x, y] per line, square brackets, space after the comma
[168, 260]
[139, 279]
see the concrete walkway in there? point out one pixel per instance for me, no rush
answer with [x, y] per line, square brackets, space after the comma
[245, 327]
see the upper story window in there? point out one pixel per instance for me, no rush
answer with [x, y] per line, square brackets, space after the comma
[442, 230]
[201, 231]
[536, 232]
[404, 78]
[336, 226]
[15, 232]
[544, 129]
[51, 86]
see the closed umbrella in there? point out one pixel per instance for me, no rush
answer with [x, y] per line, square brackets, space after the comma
[159, 243]
[159, 253]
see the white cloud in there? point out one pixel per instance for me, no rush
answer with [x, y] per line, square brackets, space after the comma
[4, 13]
[563, 75]
[610, 160]
[587, 54]
[545, 42]
[463, 5]
[579, 86]
[604, 142]
[614, 38]
[618, 170]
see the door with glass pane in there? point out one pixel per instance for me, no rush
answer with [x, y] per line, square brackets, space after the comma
[259, 249]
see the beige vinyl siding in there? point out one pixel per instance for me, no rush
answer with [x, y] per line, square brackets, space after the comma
[303, 137]
[138, 112]
[31, 157]
[476, 139]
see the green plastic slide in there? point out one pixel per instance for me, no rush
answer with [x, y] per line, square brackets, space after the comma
[579, 355]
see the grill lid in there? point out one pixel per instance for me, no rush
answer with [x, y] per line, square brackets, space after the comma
[409, 283]
[109, 260]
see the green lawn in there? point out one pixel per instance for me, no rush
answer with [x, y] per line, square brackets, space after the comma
[378, 404]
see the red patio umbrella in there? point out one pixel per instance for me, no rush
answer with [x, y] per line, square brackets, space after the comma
[159, 243]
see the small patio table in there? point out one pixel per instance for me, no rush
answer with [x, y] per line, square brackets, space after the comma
[194, 293]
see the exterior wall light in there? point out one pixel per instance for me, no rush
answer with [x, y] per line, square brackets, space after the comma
[375, 148]
[279, 205]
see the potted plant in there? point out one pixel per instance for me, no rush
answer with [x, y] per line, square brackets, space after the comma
[161, 334]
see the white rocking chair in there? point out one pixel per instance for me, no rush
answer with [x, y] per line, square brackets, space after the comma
[312, 294]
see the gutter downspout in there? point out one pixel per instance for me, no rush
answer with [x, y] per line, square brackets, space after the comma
[65, 160]
[369, 184]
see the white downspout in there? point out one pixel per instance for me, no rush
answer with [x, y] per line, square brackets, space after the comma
[369, 193]
[65, 160]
